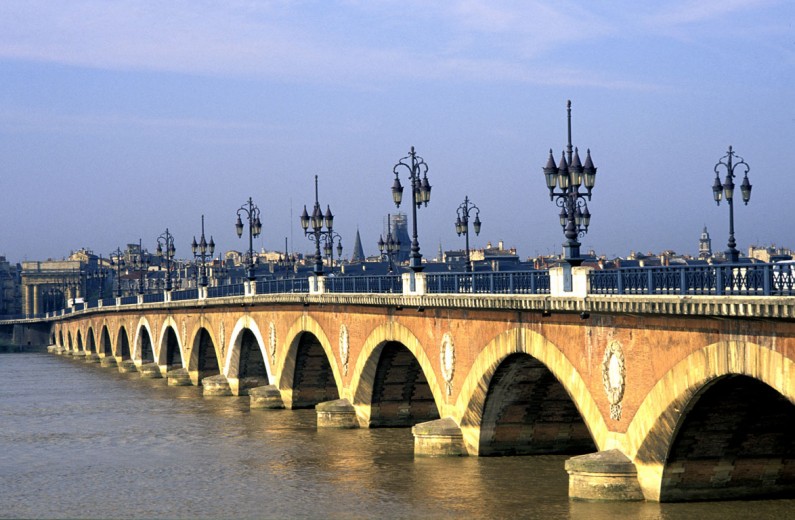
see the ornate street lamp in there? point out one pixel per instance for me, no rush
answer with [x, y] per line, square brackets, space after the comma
[727, 189]
[569, 175]
[254, 229]
[317, 221]
[166, 250]
[141, 265]
[286, 260]
[201, 252]
[117, 261]
[389, 247]
[328, 247]
[462, 224]
[420, 194]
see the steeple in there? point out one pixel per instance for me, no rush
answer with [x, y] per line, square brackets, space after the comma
[704, 245]
[358, 252]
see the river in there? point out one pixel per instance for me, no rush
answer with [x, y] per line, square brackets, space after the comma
[81, 441]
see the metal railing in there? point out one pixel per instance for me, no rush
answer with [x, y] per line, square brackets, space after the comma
[185, 294]
[220, 291]
[129, 300]
[283, 285]
[365, 284]
[717, 280]
[514, 282]
[759, 279]
[154, 297]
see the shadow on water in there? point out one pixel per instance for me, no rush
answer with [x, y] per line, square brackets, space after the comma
[81, 441]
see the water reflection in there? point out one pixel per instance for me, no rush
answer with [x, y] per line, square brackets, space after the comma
[81, 441]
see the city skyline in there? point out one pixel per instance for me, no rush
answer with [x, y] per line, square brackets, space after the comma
[120, 120]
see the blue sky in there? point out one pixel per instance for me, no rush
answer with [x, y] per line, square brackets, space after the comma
[119, 119]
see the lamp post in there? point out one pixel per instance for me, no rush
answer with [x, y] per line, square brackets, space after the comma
[420, 194]
[727, 189]
[141, 265]
[166, 250]
[99, 276]
[286, 261]
[117, 261]
[569, 175]
[389, 247]
[201, 252]
[220, 272]
[254, 229]
[316, 232]
[462, 224]
[328, 247]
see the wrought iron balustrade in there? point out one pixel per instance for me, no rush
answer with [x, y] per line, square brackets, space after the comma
[717, 280]
[513, 282]
[365, 284]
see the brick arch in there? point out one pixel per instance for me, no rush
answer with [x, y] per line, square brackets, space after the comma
[91, 345]
[193, 342]
[136, 354]
[162, 347]
[60, 338]
[653, 429]
[364, 373]
[232, 361]
[118, 345]
[69, 340]
[79, 341]
[471, 399]
[105, 342]
[287, 358]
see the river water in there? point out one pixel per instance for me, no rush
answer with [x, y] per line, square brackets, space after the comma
[81, 441]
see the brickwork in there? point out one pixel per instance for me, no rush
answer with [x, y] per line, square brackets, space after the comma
[671, 348]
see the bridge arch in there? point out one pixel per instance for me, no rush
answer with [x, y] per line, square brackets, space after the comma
[91, 345]
[660, 417]
[122, 344]
[105, 344]
[522, 344]
[170, 351]
[309, 350]
[143, 349]
[69, 339]
[79, 341]
[246, 356]
[365, 377]
[204, 354]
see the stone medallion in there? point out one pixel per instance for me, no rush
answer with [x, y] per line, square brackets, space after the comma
[447, 361]
[184, 333]
[344, 349]
[222, 340]
[272, 343]
[614, 377]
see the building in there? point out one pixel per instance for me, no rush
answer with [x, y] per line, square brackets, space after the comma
[704, 245]
[10, 295]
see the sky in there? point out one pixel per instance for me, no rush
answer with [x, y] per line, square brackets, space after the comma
[121, 119]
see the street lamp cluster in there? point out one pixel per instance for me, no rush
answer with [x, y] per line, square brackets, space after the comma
[420, 195]
[316, 232]
[727, 189]
[389, 247]
[570, 183]
[568, 176]
[254, 229]
[166, 250]
[201, 252]
[462, 224]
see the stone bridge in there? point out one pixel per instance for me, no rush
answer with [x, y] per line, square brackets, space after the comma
[663, 398]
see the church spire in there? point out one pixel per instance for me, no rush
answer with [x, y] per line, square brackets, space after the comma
[358, 251]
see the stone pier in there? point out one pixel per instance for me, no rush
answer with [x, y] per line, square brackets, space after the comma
[265, 398]
[216, 386]
[605, 475]
[336, 414]
[439, 438]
